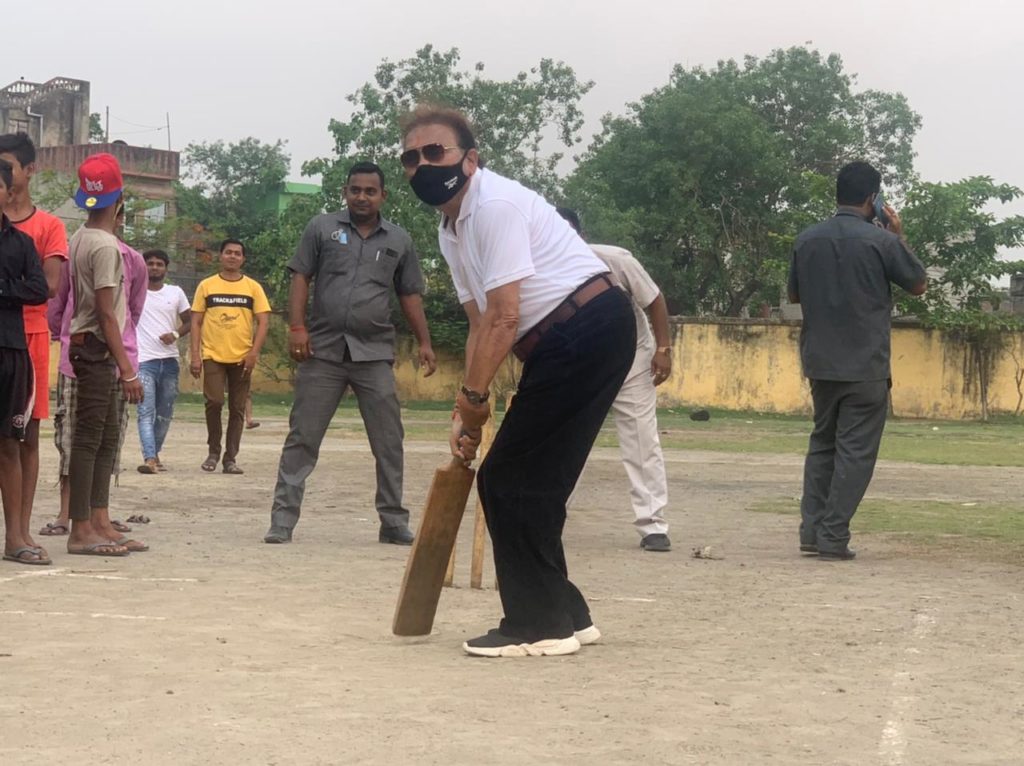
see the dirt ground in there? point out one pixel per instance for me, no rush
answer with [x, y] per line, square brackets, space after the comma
[216, 648]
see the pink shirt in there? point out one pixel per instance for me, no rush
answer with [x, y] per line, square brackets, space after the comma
[62, 307]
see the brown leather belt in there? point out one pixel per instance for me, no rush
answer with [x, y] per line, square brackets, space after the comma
[576, 300]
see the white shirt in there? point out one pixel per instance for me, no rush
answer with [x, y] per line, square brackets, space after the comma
[505, 233]
[160, 315]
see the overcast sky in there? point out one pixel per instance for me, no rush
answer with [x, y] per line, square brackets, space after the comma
[282, 69]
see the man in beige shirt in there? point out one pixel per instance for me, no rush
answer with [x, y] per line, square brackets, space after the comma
[99, 359]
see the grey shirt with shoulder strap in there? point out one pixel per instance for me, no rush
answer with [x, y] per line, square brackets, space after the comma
[842, 270]
[352, 283]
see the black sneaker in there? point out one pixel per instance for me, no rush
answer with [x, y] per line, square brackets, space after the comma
[496, 644]
[656, 542]
[396, 535]
[843, 554]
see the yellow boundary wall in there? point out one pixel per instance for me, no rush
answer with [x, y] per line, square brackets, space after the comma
[743, 365]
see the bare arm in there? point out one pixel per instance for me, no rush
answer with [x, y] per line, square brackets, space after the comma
[298, 336]
[186, 323]
[412, 307]
[495, 335]
[52, 269]
[195, 351]
[112, 331]
[661, 363]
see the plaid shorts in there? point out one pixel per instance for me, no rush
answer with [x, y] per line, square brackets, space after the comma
[64, 422]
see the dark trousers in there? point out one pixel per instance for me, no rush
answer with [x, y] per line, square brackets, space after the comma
[94, 446]
[218, 377]
[567, 387]
[848, 423]
[318, 390]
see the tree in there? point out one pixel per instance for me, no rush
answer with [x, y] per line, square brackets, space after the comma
[952, 229]
[710, 178]
[512, 120]
[97, 135]
[226, 196]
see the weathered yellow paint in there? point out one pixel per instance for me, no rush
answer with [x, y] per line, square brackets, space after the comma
[742, 365]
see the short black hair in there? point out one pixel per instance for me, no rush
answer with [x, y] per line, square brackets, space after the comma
[229, 241]
[157, 254]
[856, 182]
[6, 173]
[368, 168]
[572, 217]
[20, 145]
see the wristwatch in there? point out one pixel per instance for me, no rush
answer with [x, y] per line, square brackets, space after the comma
[475, 397]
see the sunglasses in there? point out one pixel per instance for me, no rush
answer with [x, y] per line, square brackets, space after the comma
[431, 153]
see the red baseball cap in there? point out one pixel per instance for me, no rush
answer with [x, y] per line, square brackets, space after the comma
[99, 182]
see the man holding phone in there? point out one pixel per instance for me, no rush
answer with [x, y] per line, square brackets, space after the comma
[841, 274]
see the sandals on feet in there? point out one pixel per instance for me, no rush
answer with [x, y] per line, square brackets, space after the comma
[18, 556]
[96, 550]
[55, 528]
[133, 546]
[120, 526]
[232, 467]
[210, 464]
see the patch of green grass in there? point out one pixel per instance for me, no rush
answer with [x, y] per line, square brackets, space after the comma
[938, 525]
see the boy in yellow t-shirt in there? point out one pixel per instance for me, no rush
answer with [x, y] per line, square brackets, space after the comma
[225, 349]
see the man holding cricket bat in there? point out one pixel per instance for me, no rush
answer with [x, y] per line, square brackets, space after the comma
[531, 286]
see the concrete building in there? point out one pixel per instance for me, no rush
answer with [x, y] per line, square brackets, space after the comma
[53, 113]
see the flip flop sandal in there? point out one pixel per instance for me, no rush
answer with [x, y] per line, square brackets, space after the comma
[55, 529]
[138, 518]
[94, 550]
[253, 424]
[232, 468]
[120, 526]
[19, 553]
[133, 546]
[210, 464]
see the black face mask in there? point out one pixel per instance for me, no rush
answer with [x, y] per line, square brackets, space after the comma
[437, 184]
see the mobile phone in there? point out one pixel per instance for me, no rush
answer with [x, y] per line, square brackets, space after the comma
[880, 214]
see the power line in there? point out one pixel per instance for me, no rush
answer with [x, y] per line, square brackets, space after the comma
[136, 124]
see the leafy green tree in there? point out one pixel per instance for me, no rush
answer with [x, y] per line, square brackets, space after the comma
[952, 228]
[710, 178]
[97, 135]
[513, 120]
[225, 194]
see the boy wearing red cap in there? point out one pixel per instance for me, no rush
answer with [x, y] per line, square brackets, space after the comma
[98, 357]
[21, 284]
[51, 243]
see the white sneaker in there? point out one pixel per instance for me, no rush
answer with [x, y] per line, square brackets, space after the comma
[495, 644]
[588, 636]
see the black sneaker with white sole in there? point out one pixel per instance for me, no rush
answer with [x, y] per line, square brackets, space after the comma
[589, 635]
[494, 643]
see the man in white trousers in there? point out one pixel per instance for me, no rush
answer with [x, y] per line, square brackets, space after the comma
[635, 406]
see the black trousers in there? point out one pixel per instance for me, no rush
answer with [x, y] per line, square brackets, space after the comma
[848, 423]
[567, 388]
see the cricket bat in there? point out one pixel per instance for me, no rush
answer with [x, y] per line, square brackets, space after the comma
[432, 549]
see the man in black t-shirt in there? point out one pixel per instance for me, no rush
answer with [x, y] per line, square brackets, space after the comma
[841, 274]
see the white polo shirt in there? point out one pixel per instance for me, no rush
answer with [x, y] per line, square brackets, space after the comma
[506, 232]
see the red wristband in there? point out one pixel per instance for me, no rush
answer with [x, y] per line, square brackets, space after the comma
[297, 327]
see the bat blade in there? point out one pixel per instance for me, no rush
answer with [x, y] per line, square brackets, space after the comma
[428, 559]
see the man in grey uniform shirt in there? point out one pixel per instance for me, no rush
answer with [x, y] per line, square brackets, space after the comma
[840, 274]
[354, 259]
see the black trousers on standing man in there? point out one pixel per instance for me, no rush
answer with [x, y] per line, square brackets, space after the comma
[848, 421]
[566, 389]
